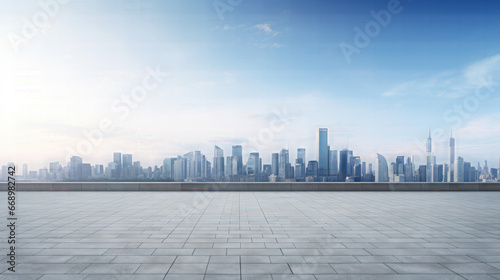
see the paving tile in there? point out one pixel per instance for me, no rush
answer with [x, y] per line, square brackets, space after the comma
[472, 268]
[111, 269]
[419, 268]
[266, 235]
[265, 269]
[364, 268]
[217, 268]
[191, 268]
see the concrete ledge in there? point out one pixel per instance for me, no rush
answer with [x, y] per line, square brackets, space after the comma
[175, 186]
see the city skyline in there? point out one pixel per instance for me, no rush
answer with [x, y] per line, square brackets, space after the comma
[427, 157]
[330, 165]
[232, 78]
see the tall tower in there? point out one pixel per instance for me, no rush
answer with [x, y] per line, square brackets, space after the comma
[452, 158]
[428, 171]
[117, 159]
[382, 170]
[218, 163]
[238, 152]
[323, 151]
[459, 170]
[275, 164]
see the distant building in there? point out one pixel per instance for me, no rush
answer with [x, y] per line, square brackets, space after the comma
[459, 170]
[382, 170]
[75, 171]
[275, 164]
[218, 167]
[237, 151]
[117, 159]
[312, 169]
[451, 176]
[323, 151]
[429, 158]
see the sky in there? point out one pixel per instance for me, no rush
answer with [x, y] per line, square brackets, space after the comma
[262, 74]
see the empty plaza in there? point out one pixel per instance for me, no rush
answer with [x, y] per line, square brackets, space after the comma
[255, 235]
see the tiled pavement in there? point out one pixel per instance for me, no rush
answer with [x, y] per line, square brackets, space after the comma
[256, 235]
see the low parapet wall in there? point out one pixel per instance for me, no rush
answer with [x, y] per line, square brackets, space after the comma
[120, 186]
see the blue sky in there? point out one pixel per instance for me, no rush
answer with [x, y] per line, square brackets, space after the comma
[229, 76]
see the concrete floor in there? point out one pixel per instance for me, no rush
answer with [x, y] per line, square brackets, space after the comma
[255, 235]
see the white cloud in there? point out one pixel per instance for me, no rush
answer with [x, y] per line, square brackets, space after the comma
[478, 73]
[451, 84]
[266, 28]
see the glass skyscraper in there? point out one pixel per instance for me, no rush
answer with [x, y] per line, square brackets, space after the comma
[323, 151]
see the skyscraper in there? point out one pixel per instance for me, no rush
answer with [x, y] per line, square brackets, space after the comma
[253, 164]
[275, 164]
[218, 163]
[451, 177]
[333, 163]
[382, 169]
[117, 159]
[459, 170]
[323, 151]
[301, 155]
[300, 163]
[344, 164]
[229, 166]
[312, 169]
[467, 177]
[237, 151]
[25, 171]
[399, 168]
[75, 168]
[428, 168]
[284, 165]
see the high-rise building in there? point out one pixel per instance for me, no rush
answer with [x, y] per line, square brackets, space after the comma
[237, 151]
[451, 176]
[333, 163]
[399, 168]
[344, 164]
[75, 171]
[127, 167]
[409, 170]
[422, 173]
[25, 171]
[467, 175]
[229, 166]
[117, 159]
[312, 169]
[86, 171]
[459, 170]
[275, 164]
[253, 164]
[300, 164]
[301, 155]
[323, 151]
[197, 164]
[266, 169]
[428, 168]
[218, 163]
[168, 168]
[382, 170]
[284, 165]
